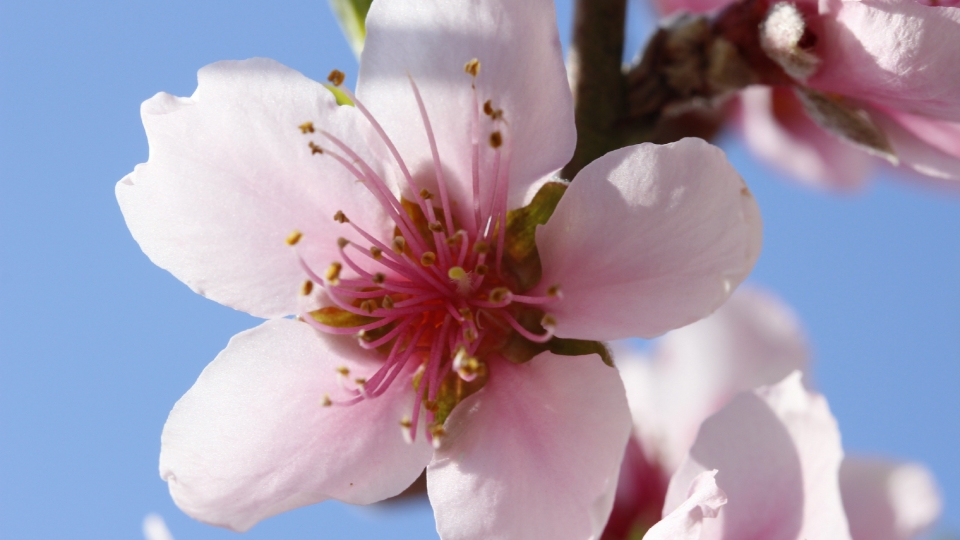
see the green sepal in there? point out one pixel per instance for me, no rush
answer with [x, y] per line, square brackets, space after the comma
[579, 347]
[340, 95]
[340, 318]
[352, 16]
[521, 258]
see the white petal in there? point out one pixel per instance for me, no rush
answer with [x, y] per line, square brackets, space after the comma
[704, 501]
[885, 500]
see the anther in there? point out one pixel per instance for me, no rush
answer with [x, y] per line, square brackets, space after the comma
[368, 306]
[306, 288]
[466, 314]
[436, 227]
[437, 433]
[398, 244]
[336, 77]
[496, 139]
[306, 127]
[481, 269]
[456, 273]
[553, 291]
[481, 247]
[405, 426]
[314, 149]
[344, 371]
[333, 273]
[425, 194]
[294, 237]
[472, 67]
[340, 217]
[342, 242]
[469, 334]
[379, 278]
[548, 322]
[376, 252]
[500, 295]
[428, 258]
[387, 302]
[488, 108]
[325, 401]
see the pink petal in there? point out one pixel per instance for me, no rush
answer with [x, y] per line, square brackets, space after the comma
[898, 54]
[752, 340]
[886, 500]
[648, 238]
[704, 500]
[534, 454]
[230, 175]
[777, 130]
[778, 452]
[251, 438]
[927, 146]
[521, 72]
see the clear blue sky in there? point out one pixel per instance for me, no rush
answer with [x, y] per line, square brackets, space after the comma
[96, 343]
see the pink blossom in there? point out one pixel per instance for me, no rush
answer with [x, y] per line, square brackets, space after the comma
[436, 318]
[694, 375]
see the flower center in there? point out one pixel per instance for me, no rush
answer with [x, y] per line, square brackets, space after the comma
[439, 293]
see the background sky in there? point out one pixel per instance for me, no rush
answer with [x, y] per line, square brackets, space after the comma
[96, 343]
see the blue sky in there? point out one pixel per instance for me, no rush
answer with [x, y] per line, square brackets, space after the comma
[96, 343]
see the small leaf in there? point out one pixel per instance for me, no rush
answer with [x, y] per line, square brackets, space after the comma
[579, 347]
[843, 119]
[352, 16]
[341, 97]
[521, 258]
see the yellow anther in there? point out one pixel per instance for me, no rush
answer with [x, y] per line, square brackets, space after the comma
[325, 401]
[342, 370]
[306, 288]
[472, 67]
[294, 237]
[340, 217]
[405, 422]
[548, 322]
[376, 252]
[342, 242]
[333, 273]
[466, 314]
[436, 227]
[437, 432]
[379, 278]
[496, 139]
[336, 77]
[368, 306]
[306, 127]
[428, 258]
[398, 244]
[314, 149]
[481, 269]
[481, 247]
[456, 273]
[425, 194]
[387, 302]
[553, 291]
[360, 381]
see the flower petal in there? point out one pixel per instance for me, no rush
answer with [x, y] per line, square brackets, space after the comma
[896, 54]
[777, 130]
[704, 501]
[927, 146]
[230, 175]
[648, 238]
[251, 438]
[521, 72]
[778, 452]
[534, 454]
[752, 340]
[886, 500]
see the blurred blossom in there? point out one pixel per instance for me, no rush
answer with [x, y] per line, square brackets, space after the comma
[438, 308]
[689, 419]
[851, 74]
[154, 528]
